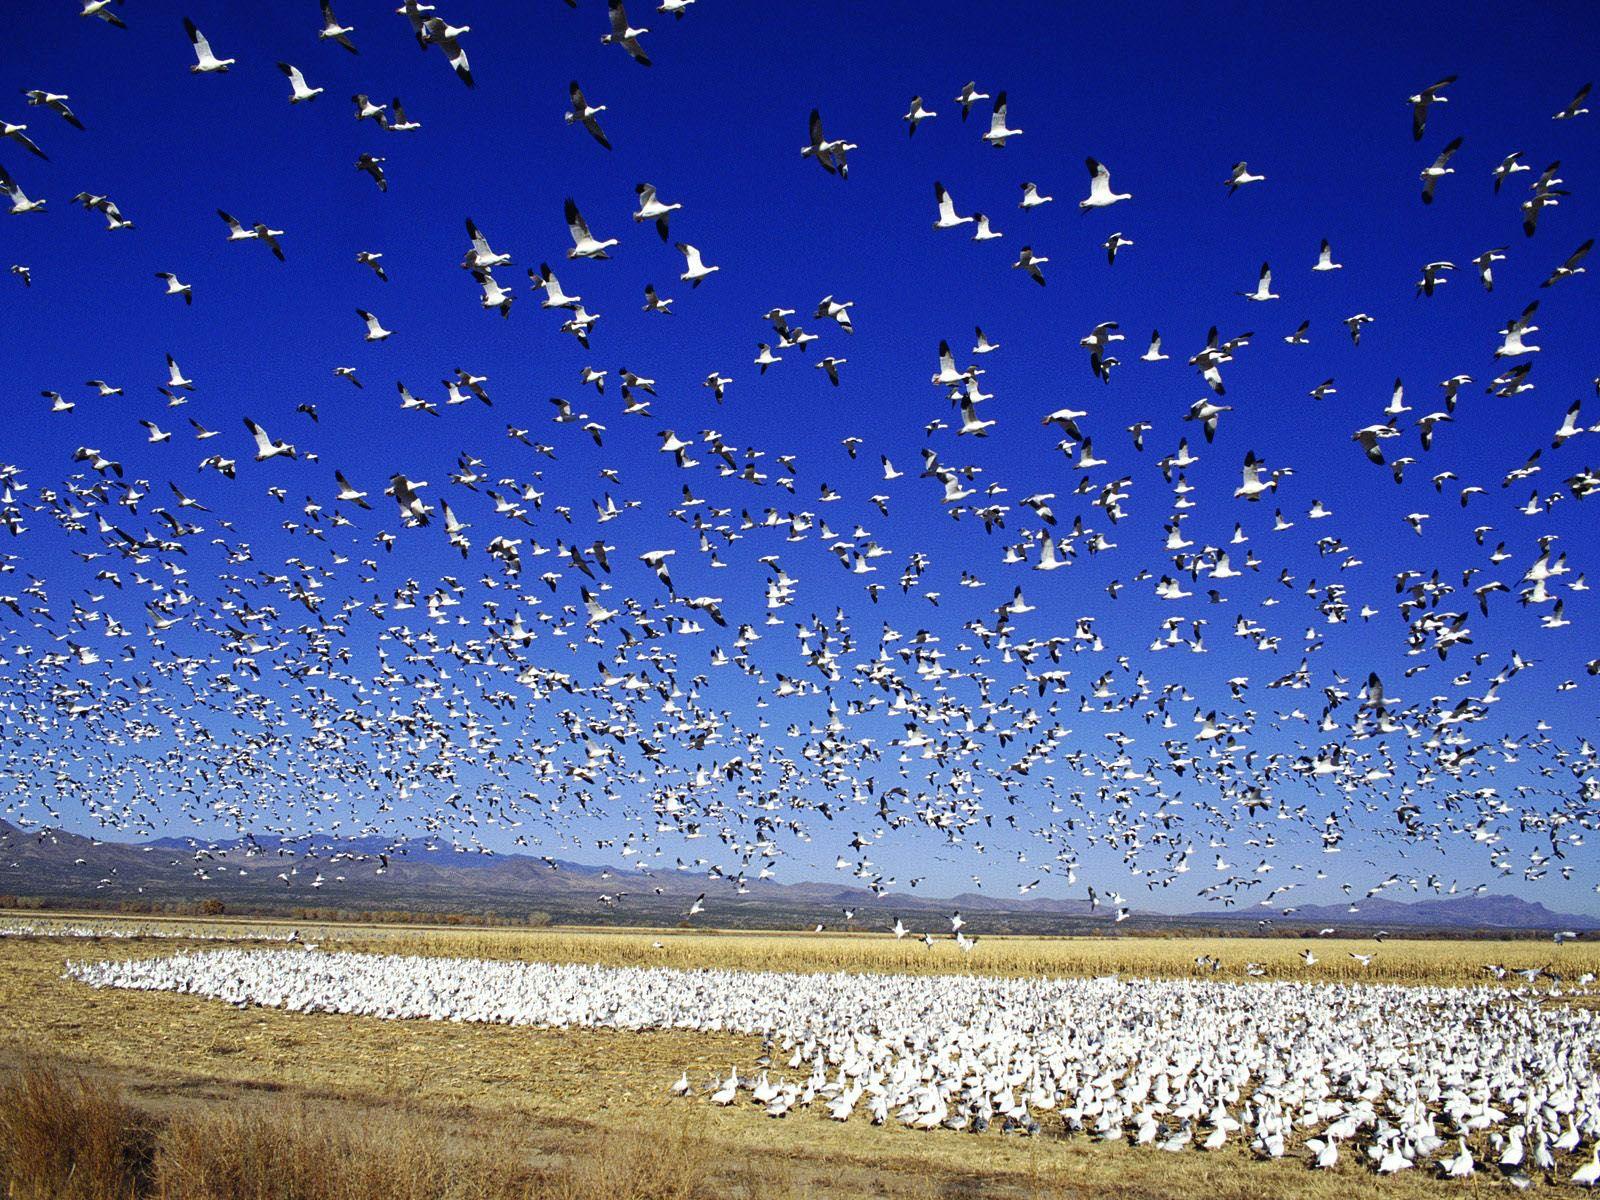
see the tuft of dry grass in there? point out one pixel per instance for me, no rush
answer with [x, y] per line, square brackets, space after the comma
[64, 1139]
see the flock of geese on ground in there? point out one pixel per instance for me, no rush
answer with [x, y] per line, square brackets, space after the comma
[1449, 1080]
[212, 623]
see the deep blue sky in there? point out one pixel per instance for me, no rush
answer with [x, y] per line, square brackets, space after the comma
[1168, 96]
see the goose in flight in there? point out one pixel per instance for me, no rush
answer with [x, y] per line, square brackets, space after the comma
[56, 102]
[1571, 267]
[103, 205]
[375, 330]
[1355, 323]
[102, 9]
[1433, 277]
[1438, 170]
[265, 447]
[653, 208]
[1325, 259]
[19, 135]
[370, 258]
[435, 32]
[176, 287]
[1032, 197]
[257, 232]
[1153, 353]
[1263, 290]
[482, 257]
[998, 133]
[299, 92]
[399, 123]
[332, 31]
[1509, 166]
[584, 244]
[20, 203]
[1430, 95]
[829, 154]
[1100, 193]
[494, 296]
[916, 114]
[694, 269]
[372, 164]
[1575, 107]
[585, 114]
[947, 209]
[1030, 262]
[206, 62]
[1114, 243]
[625, 35]
[1239, 176]
[969, 96]
[1485, 264]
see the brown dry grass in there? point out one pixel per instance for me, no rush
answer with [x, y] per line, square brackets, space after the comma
[590, 1107]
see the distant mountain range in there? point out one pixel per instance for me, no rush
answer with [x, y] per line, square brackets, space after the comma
[372, 875]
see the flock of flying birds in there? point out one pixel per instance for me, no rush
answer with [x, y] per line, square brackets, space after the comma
[223, 628]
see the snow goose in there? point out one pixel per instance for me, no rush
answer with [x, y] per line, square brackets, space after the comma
[205, 62]
[625, 34]
[299, 92]
[584, 244]
[1437, 170]
[1432, 94]
[694, 269]
[586, 114]
[998, 133]
[1100, 193]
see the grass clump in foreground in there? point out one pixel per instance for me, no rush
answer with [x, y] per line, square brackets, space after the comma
[67, 1138]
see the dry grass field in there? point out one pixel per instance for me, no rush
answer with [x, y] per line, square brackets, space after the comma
[500, 1111]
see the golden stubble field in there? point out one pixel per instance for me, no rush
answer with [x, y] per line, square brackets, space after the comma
[552, 1093]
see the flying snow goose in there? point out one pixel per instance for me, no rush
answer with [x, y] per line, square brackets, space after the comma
[947, 209]
[19, 135]
[584, 244]
[1100, 193]
[1032, 197]
[375, 330]
[205, 62]
[332, 31]
[176, 287]
[1239, 176]
[624, 34]
[1433, 277]
[20, 203]
[435, 32]
[1571, 267]
[1575, 107]
[1432, 94]
[299, 91]
[1439, 168]
[1263, 290]
[968, 96]
[265, 446]
[653, 208]
[916, 114]
[585, 114]
[998, 133]
[56, 102]
[1325, 259]
[694, 269]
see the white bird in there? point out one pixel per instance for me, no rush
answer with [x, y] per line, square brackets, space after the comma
[266, 447]
[1325, 259]
[299, 91]
[584, 244]
[998, 133]
[333, 31]
[205, 61]
[1100, 193]
[176, 287]
[916, 114]
[375, 330]
[625, 34]
[694, 269]
[1437, 170]
[585, 114]
[947, 209]
[1239, 176]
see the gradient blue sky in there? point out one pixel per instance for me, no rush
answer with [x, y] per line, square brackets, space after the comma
[1169, 96]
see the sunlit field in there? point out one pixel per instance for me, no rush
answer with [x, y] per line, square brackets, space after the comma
[540, 1097]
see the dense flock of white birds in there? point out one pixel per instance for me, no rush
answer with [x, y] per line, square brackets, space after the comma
[1446, 1079]
[138, 929]
[175, 661]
